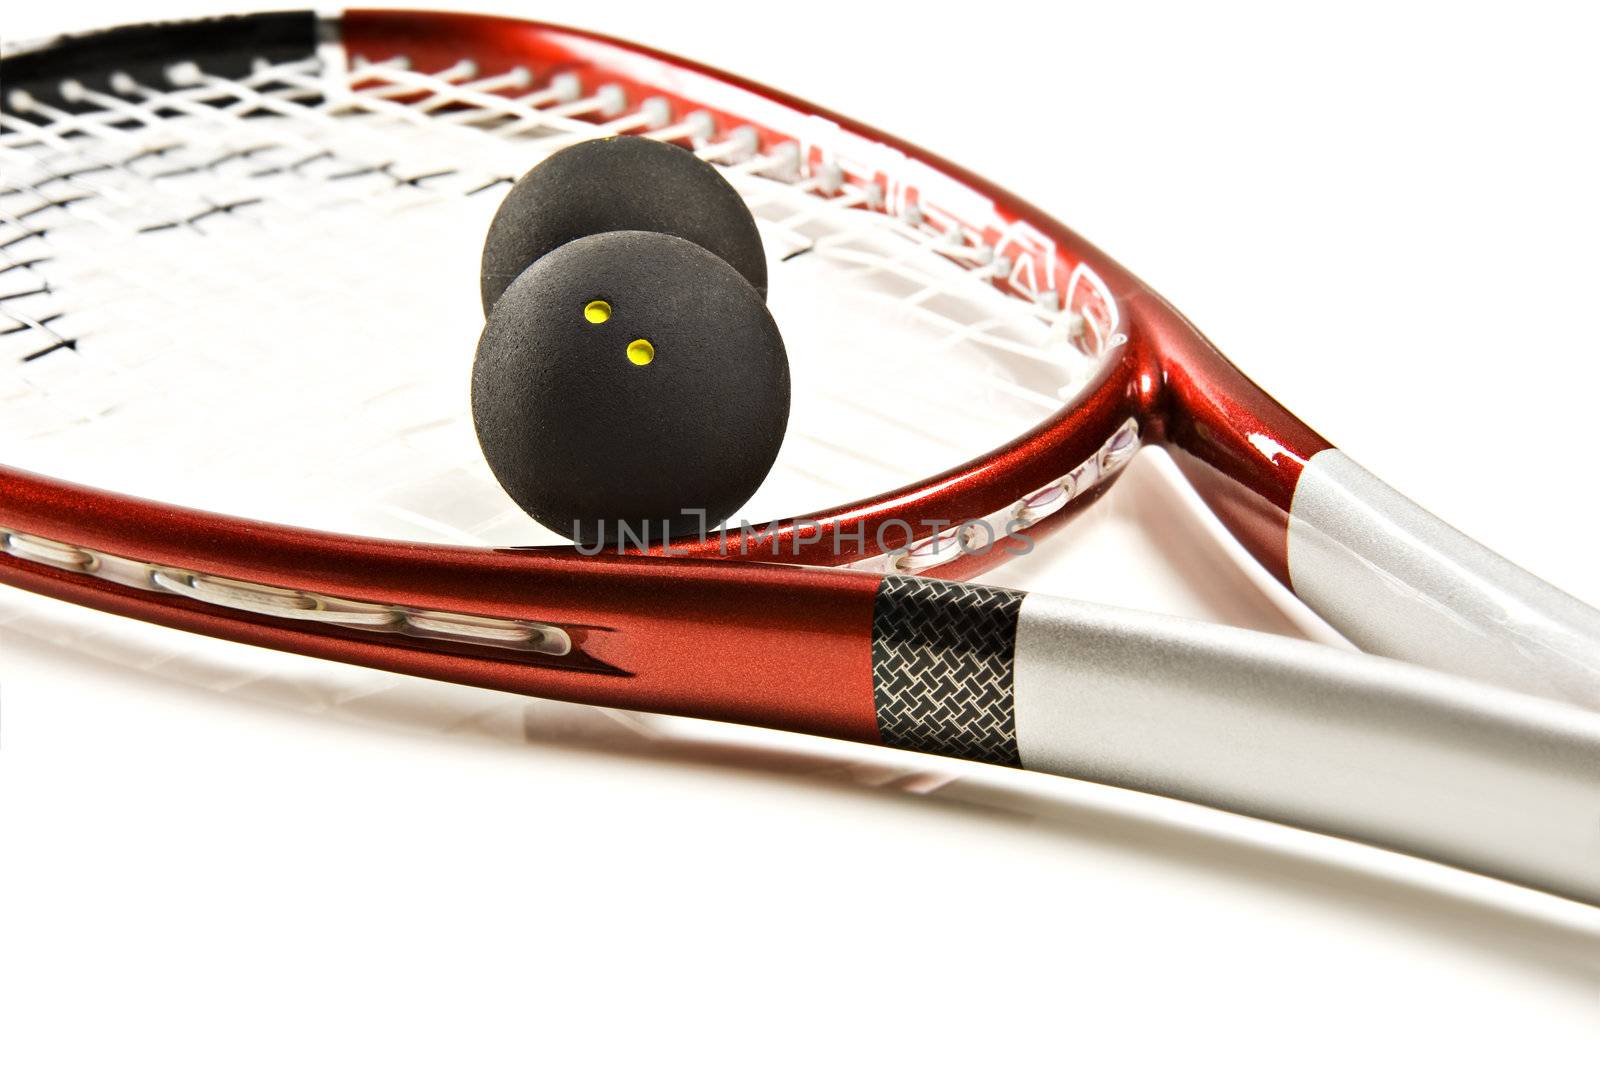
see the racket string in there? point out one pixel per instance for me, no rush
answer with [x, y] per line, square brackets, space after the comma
[298, 162]
[444, 90]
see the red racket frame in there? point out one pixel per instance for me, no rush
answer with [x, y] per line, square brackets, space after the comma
[745, 641]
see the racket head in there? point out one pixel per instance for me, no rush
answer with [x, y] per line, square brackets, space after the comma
[233, 135]
[852, 172]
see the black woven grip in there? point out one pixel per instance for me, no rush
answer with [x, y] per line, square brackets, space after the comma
[943, 666]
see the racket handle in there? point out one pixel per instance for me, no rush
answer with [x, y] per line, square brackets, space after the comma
[1400, 582]
[1320, 738]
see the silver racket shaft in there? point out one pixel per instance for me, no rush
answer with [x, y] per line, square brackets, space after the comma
[1337, 742]
[1329, 740]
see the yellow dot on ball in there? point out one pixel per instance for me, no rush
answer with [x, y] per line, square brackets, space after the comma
[597, 311]
[640, 352]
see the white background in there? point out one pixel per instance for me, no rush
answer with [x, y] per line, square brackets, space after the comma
[1386, 215]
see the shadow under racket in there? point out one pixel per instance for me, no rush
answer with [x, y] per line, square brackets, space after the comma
[1558, 941]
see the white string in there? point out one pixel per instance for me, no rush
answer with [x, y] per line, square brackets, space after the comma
[262, 296]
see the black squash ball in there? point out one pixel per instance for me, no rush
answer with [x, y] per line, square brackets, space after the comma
[629, 377]
[614, 184]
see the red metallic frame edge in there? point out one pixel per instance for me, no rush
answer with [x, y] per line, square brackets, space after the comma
[688, 636]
